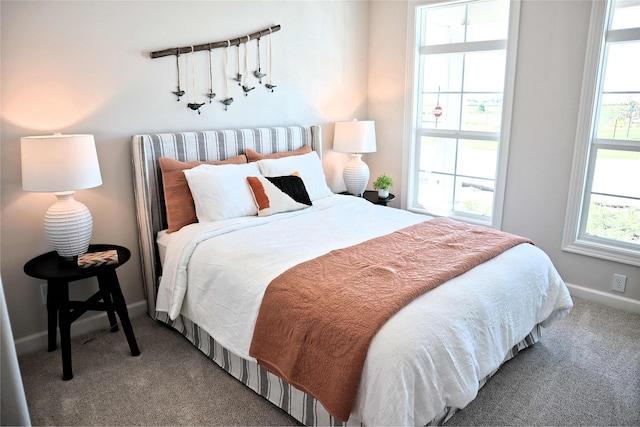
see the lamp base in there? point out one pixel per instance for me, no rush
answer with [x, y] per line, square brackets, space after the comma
[356, 175]
[68, 225]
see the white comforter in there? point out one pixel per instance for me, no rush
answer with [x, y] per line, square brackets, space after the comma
[431, 354]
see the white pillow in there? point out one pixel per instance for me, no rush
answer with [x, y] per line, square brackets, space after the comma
[307, 165]
[221, 191]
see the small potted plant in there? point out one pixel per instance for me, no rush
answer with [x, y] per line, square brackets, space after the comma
[382, 184]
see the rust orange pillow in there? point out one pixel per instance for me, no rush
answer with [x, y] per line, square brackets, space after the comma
[254, 156]
[180, 208]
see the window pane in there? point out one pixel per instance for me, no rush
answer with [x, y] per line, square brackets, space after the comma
[619, 117]
[488, 21]
[614, 211]
[445, 25]
[475, 21]
[614, 218]
[484, 71]
[435, 191]
[474, 196]
[622, 68]
[442, 86]
[477, 159]
[438, 155]
[626, 14]
[482, 112]
[449, 112]
[617, 173]
[443, 73]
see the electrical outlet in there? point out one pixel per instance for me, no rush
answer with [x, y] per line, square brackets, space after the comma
[43, 290]
[619, 282]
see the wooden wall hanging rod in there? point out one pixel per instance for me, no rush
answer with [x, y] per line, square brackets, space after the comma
[214, 45]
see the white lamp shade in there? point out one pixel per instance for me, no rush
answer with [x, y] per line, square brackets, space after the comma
[355, 137]
[54, 163]
[62, 164]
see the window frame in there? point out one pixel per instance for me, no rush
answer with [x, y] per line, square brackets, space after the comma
[575, 239]
[414, 104]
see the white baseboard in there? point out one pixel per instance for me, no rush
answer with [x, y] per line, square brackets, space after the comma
[85, 325]
[605, 298]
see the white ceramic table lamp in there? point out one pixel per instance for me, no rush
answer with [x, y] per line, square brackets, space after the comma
[62, 164]
[355, 137]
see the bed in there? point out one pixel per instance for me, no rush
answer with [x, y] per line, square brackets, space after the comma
[208, 278]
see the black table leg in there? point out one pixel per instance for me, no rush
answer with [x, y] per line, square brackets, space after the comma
[110, 280]
[52, 315]
[65, 331]
[106, 297]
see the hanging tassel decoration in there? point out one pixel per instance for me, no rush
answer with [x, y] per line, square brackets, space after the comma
[211, 93]
[245, 83]
[258, 73]
[269, 85]
[178, 92]
[227, 101]
[193, 105]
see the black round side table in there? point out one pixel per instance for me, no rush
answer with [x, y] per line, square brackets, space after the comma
[372, 196]
[61, 312]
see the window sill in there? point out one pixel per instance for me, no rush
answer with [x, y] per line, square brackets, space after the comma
[604, 251]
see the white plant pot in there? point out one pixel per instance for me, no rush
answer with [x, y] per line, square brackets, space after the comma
[383, 194]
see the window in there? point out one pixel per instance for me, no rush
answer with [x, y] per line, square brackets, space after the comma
[603, 213]
[462, 61]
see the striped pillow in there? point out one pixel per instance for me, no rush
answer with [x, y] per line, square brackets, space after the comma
[278, 194]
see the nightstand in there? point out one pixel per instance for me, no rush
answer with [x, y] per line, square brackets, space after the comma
[372, 196]
[61, 312]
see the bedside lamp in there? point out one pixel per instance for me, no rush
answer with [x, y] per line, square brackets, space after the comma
[62, 164]
[355, 138]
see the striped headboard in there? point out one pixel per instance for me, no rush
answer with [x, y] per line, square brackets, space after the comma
[189, 146]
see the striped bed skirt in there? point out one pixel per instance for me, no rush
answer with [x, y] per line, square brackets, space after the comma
[301, 406]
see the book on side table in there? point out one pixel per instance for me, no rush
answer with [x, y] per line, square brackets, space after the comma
[97, 259]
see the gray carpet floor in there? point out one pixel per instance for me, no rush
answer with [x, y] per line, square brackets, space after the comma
[585, 371]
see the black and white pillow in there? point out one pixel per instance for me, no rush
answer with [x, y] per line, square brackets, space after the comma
[308, 166]
[278, 194]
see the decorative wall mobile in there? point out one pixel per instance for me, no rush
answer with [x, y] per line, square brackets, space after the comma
[241, 78]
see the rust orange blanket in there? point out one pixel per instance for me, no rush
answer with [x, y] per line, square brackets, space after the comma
[318, 318]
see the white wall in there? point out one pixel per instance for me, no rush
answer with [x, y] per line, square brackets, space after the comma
[551, 54]
[84, 67]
